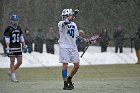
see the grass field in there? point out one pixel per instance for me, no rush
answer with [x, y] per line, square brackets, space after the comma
[89, 79]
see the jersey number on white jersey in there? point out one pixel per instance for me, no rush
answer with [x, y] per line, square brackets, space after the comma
[71, 30]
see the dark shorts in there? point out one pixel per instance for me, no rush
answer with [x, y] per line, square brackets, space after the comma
[15, 54]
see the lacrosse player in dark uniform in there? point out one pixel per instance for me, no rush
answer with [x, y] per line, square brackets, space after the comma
[13, 38]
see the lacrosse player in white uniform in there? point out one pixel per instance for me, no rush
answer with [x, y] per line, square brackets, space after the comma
[68, 52]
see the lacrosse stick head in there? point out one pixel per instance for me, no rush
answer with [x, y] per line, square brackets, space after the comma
[94, 38]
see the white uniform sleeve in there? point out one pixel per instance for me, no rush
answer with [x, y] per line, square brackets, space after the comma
[60, 25]
[7, 40]
[77, 33]
[22, 38]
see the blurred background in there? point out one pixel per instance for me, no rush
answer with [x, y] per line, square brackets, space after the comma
[94, 15]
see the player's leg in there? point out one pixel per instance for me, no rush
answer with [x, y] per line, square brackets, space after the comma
[16, 66]
[64, 71]
[138, 56]
[75, 60]
[12, 69]
[74, 69]
[12, 63]
[64, 76]
[64, 59]
[72, 73]
[19, 62]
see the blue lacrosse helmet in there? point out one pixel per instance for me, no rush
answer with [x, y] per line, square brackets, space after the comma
[14, 18]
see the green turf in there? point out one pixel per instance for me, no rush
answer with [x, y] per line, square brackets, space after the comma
[89, 79]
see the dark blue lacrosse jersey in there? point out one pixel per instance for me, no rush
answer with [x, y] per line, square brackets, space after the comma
[14, 34]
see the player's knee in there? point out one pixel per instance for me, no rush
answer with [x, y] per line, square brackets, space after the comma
[19, 63]
[12, 60]
[76, 66]
[12, 63]
[65, 65]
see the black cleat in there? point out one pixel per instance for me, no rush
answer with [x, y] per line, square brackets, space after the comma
[70, 83]
[66, 87]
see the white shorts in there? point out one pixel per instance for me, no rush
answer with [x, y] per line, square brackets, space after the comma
[68, 55]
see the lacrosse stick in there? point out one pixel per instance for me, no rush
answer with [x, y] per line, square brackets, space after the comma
[92, 39]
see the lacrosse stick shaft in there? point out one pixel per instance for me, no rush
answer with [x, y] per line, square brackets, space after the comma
[84, 51]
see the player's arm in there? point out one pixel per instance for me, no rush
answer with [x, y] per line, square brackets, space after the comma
[82, 39]
[79, 38]
[62, 24]
[7, 41]
[22, 40]
[7, 38]
[24, 46]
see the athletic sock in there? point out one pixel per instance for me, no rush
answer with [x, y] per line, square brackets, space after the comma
[13, 75]
[69, 77]
[65, 83]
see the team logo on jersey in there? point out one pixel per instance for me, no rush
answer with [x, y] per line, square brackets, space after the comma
[71, 26]
[15, 31]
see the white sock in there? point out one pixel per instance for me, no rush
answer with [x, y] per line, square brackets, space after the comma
[13, 75]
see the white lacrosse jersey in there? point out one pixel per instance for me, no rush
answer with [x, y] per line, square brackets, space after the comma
[68, 34]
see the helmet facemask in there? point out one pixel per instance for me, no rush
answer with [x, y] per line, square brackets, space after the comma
[15, 23]
[14, 20]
